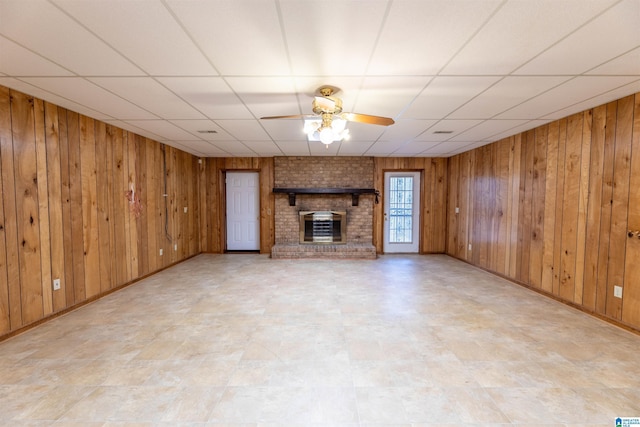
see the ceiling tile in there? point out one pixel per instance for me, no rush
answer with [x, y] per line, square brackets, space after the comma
[404, 130]
[266, 96]
[294, 148]
[486, 130]
[289, 130]
[60, 39]
[447, 148]
[628, 63]
[506, 94]
[572, 92]
[444, 95]
[532, 26]
[15, 60]
[446, 129]
[244, 130]
[608, 36]
[150, 95]
[331, 37]
[604, 98]
[439, 27]
[205, 149]
[91, 96]
[354, 148]
[131, 27]
[167, 131]
[319, 149]
[195, 126]
[237, 148]
[416, 147]
[32, 90]
[365, 132]
[212, 96]
[384, 148]
[264, 148]
[239, 37]
[388, 96]
[518, 129]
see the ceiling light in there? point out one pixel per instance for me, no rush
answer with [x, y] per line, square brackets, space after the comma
[317, 131]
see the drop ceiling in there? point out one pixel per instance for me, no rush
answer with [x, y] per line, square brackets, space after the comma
[198, 75]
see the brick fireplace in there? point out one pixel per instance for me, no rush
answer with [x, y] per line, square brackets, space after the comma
[324, 173]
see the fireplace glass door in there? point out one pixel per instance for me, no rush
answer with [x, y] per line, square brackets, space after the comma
[322, 227]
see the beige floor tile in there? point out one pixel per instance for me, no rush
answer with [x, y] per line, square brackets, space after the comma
[243, 340]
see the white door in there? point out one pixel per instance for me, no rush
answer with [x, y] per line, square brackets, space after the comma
[243, 218]
[401, 212]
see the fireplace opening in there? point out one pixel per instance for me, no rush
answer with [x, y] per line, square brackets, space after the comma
[323, 227]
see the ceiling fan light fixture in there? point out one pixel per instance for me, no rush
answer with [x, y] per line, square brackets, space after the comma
[335, 131]
[326, 136]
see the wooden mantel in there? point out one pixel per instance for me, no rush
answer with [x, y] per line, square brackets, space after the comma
[355, 193]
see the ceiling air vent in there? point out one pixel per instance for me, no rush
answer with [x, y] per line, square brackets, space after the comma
[443, 132]
[207, 131]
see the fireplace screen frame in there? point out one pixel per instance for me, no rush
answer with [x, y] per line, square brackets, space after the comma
[325, 232]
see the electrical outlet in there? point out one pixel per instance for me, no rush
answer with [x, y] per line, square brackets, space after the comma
[160, 252]
[469, 246]
[185, 209]
[457, 209]
[56, 284]
[175, 247]
[617, 291]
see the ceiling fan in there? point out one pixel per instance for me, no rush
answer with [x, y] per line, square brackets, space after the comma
[327, 123]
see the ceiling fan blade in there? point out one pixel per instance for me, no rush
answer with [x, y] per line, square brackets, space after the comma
[295, 116]
[365, 118]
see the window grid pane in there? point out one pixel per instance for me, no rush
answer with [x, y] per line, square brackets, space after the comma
[401, 209]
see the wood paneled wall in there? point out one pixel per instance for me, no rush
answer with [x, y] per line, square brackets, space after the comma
[64, 211]
[551, 208]
[433, 199]
[212, 194]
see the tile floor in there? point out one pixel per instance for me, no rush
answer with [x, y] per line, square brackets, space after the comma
[244, 340]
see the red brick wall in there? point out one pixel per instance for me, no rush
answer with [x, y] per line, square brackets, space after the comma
[324, 172]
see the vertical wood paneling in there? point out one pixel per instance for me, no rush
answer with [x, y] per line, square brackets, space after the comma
[43, 208]
[91, 239]
[583, 201]
[103, 176]
[607, 201]
[620, 205]
[538, 185]
[119, 207]
[551, 192]
[27, 209]
[502, 157]
[67, 282]
[571, 201]
[631, 294]
[515, 163]
[570, 210]
[594, 208]
[54, 177]
[64, 179]
[75, 189]
[9, 276]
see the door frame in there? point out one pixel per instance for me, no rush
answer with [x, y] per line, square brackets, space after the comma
[224, 204]
[420, 210]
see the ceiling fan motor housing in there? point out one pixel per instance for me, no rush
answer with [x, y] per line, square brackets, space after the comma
[326, 103]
